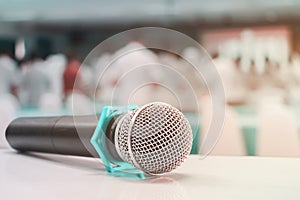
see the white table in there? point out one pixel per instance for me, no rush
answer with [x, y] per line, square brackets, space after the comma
[45, 177]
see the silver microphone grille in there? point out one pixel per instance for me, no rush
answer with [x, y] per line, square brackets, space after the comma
[155, 138]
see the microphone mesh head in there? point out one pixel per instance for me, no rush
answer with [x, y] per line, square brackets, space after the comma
[155, 138]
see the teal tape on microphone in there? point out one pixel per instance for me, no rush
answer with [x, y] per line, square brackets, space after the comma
[98, 141]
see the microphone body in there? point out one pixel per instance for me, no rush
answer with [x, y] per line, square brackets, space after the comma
[59, 135]
[154, 139]
[53, 135]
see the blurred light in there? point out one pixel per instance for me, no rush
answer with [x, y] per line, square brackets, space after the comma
[20, 50]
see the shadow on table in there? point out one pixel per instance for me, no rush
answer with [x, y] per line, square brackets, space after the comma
[73, 161]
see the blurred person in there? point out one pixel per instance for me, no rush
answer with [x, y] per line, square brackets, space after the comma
[259, 57]
[291, 75]
[193, 55]
[102, 63]
[51, 101]
[266, 87]
[7, 72]
[188, 66]
[86, 80]
[24, 65]
[135, 66]
[247, 43]
[172, 88]
[55, 65]
[233, 80]
[70, 73]
[285, 73]
[34, 82]
[252, 78]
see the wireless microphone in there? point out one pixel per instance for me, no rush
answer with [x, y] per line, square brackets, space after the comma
[155, 138]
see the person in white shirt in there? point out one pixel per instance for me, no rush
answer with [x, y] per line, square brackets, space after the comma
[135, 71]
[54, 68]
[34, 82]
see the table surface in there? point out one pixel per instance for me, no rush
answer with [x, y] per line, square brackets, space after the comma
[44, 176]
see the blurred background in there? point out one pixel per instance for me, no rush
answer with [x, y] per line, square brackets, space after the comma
[255, 46]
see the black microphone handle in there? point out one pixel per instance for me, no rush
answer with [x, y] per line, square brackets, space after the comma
[59, 135]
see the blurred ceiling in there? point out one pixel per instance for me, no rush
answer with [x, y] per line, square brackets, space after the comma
[141, 11]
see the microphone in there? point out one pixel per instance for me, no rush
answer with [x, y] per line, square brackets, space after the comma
[155, 138]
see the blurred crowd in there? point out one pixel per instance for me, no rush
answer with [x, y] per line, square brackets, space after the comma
[34, 81]
[146, 75]
[274, 83]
